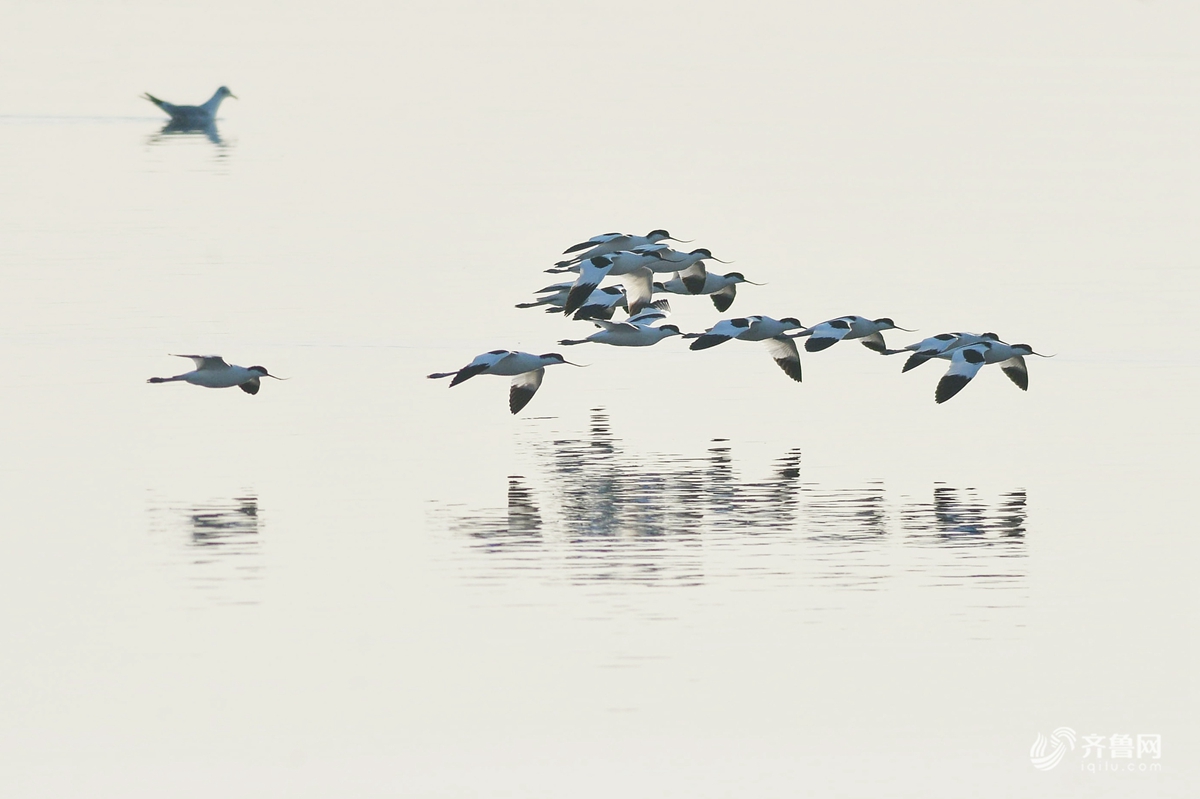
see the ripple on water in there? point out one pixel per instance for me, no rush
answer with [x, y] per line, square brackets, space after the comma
[218, 543]
[590, 509]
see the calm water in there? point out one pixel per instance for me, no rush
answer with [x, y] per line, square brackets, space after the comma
[675, 573]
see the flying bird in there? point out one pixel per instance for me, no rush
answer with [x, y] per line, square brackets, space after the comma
[828, 333]
[527, 371]
[933, 347]
[721, 288]
[636, 331]
[212, 372]
[607, 243]
[965, 363]
[757, 328]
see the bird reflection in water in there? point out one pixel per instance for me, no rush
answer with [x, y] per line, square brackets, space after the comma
[602, 512]
[182, 131]
[225, 546]
[959, 517]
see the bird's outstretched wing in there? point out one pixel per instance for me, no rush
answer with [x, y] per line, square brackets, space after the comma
[964, 365]
[826, 334]
[603, 238]
[721, 332]
[205, 361]
[783, 350]
[524, 386]
[1017, 372]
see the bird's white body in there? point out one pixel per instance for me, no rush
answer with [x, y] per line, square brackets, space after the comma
[722, 288]
[607, 243]
[750, 328]
[506, 363]
[636, 331]
[712, 283]
[601, 299]
[828, 333]
[213, 372]
[936, 346]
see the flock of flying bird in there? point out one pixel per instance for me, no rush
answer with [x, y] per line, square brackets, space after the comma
[638, 260]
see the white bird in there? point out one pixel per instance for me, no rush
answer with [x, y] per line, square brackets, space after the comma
[193, 116]
[527, 371]
[554, 295]
[607, 243]
[965, 363]
[631, 266]
[601, 304]
[636, 331]
[758, 328]
[688, 266]
[831, 332]
[212, 372]
[932, 347]
[604, 302]
[722, 288]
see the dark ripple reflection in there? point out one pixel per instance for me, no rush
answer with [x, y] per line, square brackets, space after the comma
[222, 547]
[594, 510]
[174, 131]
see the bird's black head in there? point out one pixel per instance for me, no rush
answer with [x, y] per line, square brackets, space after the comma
[262, 370]
[734, 275]
[992, 336]
[883, 320]
[658, 234]
[672, 328]
[553, 356]
[792, 320]
[703, 252]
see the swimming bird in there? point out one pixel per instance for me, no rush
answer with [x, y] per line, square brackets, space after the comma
[965, 363]
[758, 328]
[193, 116]
[527, 371]
[607, 243]
[828, 333]
[636, 331]
[212, 372]
[722, 288]
[932, 347]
